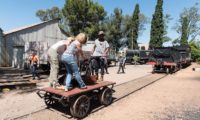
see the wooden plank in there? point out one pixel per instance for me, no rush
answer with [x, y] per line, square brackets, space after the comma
[27, 76]
[76, 90]
[15, 84]
[17, 80]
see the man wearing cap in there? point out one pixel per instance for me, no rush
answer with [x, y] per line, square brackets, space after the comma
[100, 51]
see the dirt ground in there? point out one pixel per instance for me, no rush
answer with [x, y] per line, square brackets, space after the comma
[18, 103]
[175, 97]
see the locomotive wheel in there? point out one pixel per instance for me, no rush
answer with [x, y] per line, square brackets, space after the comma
[153, 71]
[106, 96]
[167, 70]
[80, 107]
[49, 101]
[181, 67]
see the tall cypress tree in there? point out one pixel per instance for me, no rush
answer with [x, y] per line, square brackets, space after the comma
[184, 32]
[157, 26]
[135, 27]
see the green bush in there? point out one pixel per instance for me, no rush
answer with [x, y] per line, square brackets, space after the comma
[195, 51]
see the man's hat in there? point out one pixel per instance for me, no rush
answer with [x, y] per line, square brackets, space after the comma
[101, 33]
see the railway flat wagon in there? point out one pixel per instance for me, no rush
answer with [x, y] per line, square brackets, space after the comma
[79, 100]
[184, 54]
[170, 59]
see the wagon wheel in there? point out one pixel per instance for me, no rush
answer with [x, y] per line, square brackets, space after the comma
[80, 107]
[49, 101]
[174, 69]
[106, 96]
[85, 68]
[71, 107]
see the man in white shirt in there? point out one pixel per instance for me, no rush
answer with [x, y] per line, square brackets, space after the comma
[100, 52]
[54, 54]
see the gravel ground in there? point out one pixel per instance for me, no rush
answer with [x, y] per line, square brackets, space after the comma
[15, 103]
[175, 97]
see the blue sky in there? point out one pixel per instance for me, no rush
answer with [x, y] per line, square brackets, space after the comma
[18, 13]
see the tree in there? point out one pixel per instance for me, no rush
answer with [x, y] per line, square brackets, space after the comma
[143, 21]
[166, 19]
[116, 23]
[113, 28]
[184, 33]
[176, 42]
[157, 26]
[84, 16]
[195, 50]
[54, 13]
[49, 14]
[193, 17]
[135, 27]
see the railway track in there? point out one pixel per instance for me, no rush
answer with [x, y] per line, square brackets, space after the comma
[121, 91]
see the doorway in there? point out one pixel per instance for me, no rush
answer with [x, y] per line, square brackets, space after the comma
[18, 56]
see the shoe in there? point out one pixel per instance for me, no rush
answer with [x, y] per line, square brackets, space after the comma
[84, 87]
[50, 84]
[107, 72]
[123, 72]
[101, 78]
[60, 87]
[117, 72]
[68, 89]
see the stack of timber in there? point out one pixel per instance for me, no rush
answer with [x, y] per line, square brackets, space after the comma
[12, 78]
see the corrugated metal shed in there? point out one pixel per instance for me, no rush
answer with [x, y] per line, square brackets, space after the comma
[2, 49]
[39, 37]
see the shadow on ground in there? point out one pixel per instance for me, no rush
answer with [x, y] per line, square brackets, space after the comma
[65, 111]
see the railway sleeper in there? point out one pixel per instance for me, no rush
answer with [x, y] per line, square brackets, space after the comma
[165, 69]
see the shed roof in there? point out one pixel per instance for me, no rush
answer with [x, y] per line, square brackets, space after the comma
[33, 25]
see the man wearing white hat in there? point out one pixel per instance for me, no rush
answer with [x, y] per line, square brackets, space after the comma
[100, 51]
